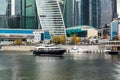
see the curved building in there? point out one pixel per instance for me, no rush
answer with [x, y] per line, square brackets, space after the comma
[50, 16]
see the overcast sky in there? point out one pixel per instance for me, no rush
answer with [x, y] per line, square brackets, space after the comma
[118, 7]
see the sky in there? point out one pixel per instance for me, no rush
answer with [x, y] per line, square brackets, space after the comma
[118, 7]
[3, 5]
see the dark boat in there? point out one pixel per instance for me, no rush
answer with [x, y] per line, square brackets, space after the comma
[112, 47]
[49, 50]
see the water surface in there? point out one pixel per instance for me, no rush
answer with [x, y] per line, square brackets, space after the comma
[24, 66]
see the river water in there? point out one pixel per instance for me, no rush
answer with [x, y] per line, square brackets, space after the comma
[24, 66]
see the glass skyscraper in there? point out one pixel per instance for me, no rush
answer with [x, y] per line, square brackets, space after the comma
[106, 12]
[18, 7]
[13, 14]
[95, 13]
[36, 14]
[114, 8]
[81, 12]
[50, 16]
[3, 19]
[29, 14]
[69, 14]
[55, 15]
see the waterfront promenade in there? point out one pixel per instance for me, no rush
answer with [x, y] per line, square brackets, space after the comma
[32, 47]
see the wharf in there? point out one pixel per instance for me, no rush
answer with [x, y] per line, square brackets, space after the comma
[18, 48]
[90, 48]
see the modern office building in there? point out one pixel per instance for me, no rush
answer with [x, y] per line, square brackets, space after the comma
[106, 12]
[29, 15]
[3, 21]
[114, 9]
[114, 29]
[36, 14]
[82, 31]
[14, 14]
[62, 5]
[82, 12]
[95, 13]
[55, 15]
[68, 14]
[50, 16]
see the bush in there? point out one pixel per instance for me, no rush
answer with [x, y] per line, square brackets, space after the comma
[75, 40]
[59, 39]
[18, 42]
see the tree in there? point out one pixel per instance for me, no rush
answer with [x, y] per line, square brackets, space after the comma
[77, 40]
[54, 39]
[73, 39]
[62, 39]
[18, 41]
[59, 39]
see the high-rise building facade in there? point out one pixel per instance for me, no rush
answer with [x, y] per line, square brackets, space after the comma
[81, 12]
[62, 5]
[36, 14]
[29, 14]
[114, 9]
[106, 12]
[55, 15]
[50, 16]
[3, 21]
[18, 7]
[95, 13]
[69, 14]
[3, 18]
[14, 14]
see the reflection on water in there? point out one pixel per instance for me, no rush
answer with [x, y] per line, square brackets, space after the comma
[24, 66]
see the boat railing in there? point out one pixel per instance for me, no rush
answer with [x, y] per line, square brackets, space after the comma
[113, 45]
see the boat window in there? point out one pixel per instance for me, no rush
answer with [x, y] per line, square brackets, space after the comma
[40, 49]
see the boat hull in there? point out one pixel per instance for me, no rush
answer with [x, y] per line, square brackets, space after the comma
[113, 52]
[49, 52]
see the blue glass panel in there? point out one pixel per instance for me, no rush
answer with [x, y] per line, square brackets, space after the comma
[47, 35]
[114, 29]
[16, 31]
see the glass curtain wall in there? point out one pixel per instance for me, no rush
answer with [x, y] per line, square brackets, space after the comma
[50, 16]
[95, 13]
[85, 12]
[106, 12]
[15, 14]
[80, 12]
[62, 5]
[29, 14]
[3, 9]
[69, 13]
[114, 8]
[3, 21]
[8, 12]
[18, 7]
